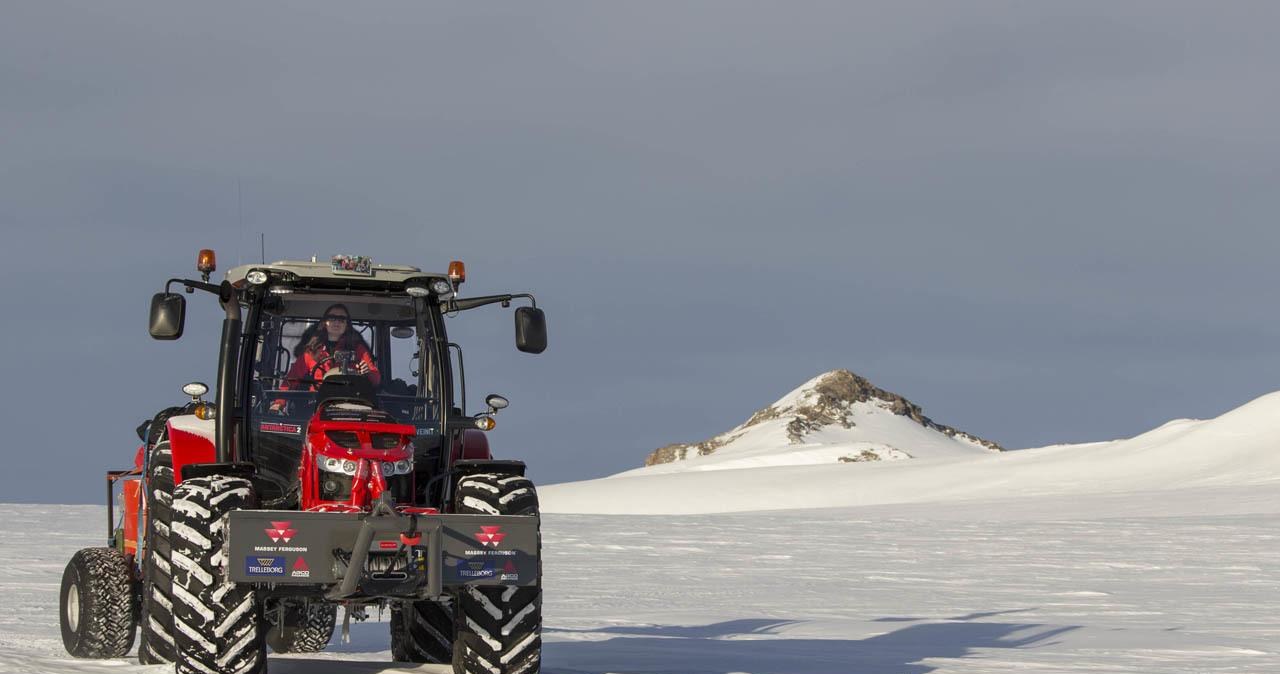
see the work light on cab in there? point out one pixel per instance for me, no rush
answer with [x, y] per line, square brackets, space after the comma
[442, 288]
[416, 288]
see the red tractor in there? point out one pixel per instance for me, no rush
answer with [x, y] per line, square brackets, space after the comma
[337, 468]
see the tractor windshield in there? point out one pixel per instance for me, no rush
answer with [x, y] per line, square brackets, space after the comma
[305, 340]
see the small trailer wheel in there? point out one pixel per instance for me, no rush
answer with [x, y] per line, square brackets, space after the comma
[97, 604]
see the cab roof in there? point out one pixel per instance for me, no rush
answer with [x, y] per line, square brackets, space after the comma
[324, 272]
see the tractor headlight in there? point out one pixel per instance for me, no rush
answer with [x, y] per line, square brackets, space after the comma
[331, 465]
[256, 277]
[388, 469]
[403, 466]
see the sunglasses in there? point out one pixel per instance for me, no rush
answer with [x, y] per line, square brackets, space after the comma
[336, 317]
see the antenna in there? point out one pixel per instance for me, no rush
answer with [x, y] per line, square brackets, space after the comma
[263, 240]
[240, 219]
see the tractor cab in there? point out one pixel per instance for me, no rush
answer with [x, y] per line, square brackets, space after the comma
[303, 340]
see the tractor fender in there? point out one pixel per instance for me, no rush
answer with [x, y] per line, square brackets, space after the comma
[474, 445]
[190, 441]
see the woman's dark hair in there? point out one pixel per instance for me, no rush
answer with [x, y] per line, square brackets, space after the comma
[315, 335]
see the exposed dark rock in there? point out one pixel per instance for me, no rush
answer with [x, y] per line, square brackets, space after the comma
[864, 455]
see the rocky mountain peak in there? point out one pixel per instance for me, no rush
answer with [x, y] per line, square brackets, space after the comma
[824, 401]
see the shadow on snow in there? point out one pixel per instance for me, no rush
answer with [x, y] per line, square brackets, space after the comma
[758, 647]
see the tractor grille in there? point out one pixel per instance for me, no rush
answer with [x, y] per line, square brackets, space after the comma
[345, 439]
[401, 487]
[387, 440]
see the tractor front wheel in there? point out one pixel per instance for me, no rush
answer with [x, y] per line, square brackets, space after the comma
[499, 629]
[156, 645]
[217, 624]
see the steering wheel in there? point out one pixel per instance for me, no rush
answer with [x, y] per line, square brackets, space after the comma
[318, 365]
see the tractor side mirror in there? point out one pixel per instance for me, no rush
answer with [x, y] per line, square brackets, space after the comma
[531, 330]
[168, 315]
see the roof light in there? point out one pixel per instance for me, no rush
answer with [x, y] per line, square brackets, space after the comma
[457, 272]
[195, 389]
[416, 288]
[442, 288]
[207, 262]
[256, 277]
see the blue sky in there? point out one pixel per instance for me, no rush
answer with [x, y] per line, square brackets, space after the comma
[1042, 222]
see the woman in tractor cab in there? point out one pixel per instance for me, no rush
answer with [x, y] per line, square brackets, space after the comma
[319, 350]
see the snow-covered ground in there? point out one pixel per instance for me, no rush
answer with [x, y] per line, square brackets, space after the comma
[1155, 555]
[1184, 581]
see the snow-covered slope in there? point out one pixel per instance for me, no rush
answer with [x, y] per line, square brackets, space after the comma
[1241, 447]
[836, 417]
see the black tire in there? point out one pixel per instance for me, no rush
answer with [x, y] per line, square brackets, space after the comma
[96, 604]
[422, 631]
[311, 631]
[499, 629]
[217, 624]
[156, 645]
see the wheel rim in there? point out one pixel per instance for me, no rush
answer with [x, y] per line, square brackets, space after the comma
[73, 608]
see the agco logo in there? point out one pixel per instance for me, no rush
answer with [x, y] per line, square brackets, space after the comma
[280, 531]
[490, 536]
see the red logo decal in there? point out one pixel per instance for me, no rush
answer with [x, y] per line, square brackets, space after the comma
[491, 536]
[510, 567]
[271, 427]
[387, 545]
[301, 565]
[280, 531]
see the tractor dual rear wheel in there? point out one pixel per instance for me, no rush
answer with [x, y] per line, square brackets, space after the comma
[422, 631]
[301, 626]
[98, 615]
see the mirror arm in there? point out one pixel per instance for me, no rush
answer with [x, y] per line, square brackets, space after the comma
[473, 302]
[193, 285]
